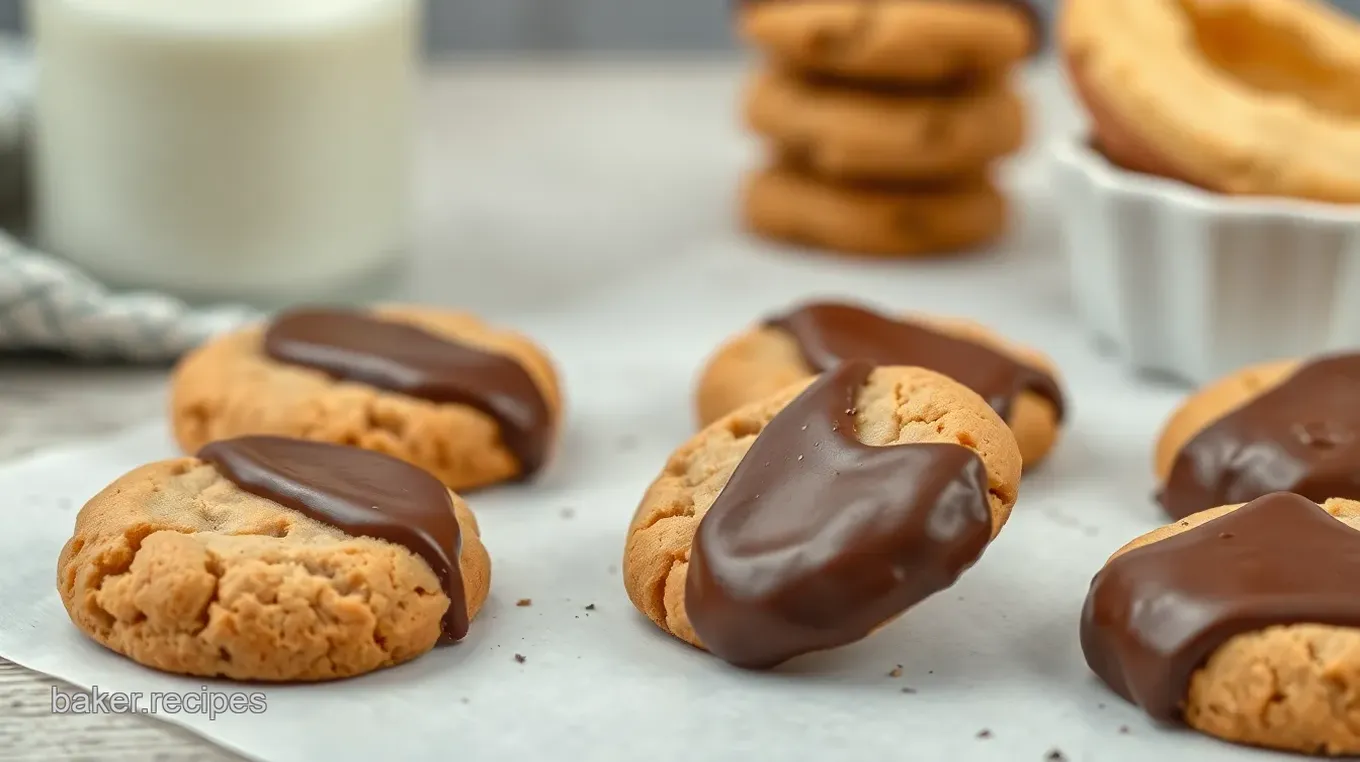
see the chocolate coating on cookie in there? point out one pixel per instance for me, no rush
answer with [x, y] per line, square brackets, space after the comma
[817, 538]
[363, 493]
[408, 360]
[829, 333]
[1156, 613]
[1301, 436]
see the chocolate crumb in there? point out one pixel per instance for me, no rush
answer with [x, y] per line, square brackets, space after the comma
[522, 602]
[520, 658]
[984, 733]
[1124, 729]
[1055, 756]
[590, 607]
[1100, 705]
[908, 690]
[896, 671]
[568, 512]
[931, 672]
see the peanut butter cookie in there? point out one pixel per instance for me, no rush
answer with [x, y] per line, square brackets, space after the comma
[469, 403]
[1244, 97]
[1240, 621]
[274, 559]
[787, 204]
[1018, 382]
[1283, 426]
[905, 41]
[847, 133]
[807, 520]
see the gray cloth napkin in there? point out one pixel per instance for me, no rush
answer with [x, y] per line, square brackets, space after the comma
[49, 305]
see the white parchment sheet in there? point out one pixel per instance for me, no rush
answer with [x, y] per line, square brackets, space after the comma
[998, 652]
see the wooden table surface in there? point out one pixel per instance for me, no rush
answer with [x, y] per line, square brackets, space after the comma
[606, 149]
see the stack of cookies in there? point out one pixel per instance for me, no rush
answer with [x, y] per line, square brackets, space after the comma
[883, 120]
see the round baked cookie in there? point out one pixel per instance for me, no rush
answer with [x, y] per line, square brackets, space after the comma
[810, 519]
[904, 41]
[1248, 98]
[788, 205]
[472, 404]
[274, 559]
[1019, 382]
[846, 133]
[1240, 621]
[1280, 426]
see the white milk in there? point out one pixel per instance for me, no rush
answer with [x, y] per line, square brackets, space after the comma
[258, 149]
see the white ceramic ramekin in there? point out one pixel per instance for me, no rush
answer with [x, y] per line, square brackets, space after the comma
[1194, 284]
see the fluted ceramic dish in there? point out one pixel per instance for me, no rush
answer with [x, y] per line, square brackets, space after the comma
[1194, 284]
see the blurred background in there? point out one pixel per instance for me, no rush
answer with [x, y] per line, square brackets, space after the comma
[575, 25]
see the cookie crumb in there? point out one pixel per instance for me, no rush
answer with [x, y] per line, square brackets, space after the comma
[522, 602]
[931, 672]
[1124, 729]
[590, 607]
[896, 671]
[908, 690]
[984, 733]
[520, 658]
[568, 512]
[1100, 705]
[1056, 755]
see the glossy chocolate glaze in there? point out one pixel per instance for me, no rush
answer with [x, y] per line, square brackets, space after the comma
[362, 493]
[402, 358]
[828, 333]
[1301, 436]
[1155, 614]
[818, 538]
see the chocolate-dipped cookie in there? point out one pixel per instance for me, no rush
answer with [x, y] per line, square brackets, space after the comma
[471, 404]
[265, 558]
[1241, 621]
[1286, 426]
[1018, 382]
[809, 519]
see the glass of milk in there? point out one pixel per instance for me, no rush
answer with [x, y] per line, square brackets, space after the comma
[226, 149]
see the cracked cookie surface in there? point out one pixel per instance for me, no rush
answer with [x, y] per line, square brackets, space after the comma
[849, 133]
[896, 406]
[784, 203]
[762, 360]
[905, 41]
[1284, 686]
[231, 387]
[177, 568]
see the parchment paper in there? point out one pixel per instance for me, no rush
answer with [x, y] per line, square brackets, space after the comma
[998, 652]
